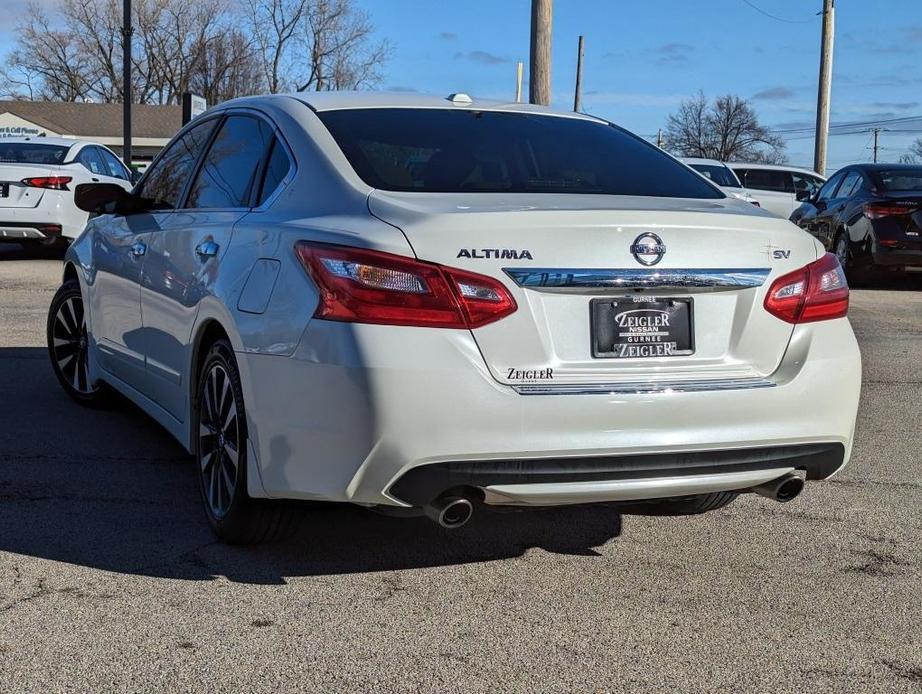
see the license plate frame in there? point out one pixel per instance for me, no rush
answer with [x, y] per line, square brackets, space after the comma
[666, 327]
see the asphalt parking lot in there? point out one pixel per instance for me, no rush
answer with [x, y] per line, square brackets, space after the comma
[110, 579]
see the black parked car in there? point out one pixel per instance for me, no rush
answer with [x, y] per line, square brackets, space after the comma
[869, 215]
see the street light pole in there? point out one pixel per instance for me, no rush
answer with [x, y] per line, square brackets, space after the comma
[127, 32]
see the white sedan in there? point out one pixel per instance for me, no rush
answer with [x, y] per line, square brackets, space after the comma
[436, 305]
[721, 175]
[37, 181]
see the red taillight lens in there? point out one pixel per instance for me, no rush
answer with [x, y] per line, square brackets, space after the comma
[363, 286]
[812, 293]
[876, 210]
[52, 182]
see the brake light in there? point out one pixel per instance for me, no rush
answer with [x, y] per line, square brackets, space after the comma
[363, 286]
[816, 292]
[51, 182]
[876, 210]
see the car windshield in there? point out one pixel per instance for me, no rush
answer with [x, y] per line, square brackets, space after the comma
[901, 179]
[32, 153]
[721, 175]
[455, 151]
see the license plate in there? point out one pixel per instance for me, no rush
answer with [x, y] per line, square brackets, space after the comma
[4, 190]
[641, 327]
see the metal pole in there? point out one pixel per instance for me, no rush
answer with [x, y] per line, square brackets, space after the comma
[578, 93]
[539, 72]
[127, 31]
[519, 69]
[876, 134]
[825, 88]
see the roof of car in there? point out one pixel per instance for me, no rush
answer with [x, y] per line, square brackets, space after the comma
[884, 167]
[772, 167]
[699, 160]
[63, 141]
[338, 100]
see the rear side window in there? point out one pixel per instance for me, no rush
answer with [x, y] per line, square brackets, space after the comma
[720, 175]
[229, 170]
[31, 153]
[276, 169]
[465, 151]
[829, 188]
[115, 167]
[767, 179]
[166, 178]
[92, 162]
[850, 185]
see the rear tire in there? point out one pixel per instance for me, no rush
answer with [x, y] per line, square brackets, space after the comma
[219, 421]
[68, 346]
[687, 506]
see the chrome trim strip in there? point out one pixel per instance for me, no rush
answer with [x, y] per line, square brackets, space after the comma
[639, 278]
[644, 387]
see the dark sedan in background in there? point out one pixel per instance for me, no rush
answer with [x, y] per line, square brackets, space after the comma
[870, 216]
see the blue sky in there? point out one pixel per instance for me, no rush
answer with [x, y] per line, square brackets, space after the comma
[643, 57]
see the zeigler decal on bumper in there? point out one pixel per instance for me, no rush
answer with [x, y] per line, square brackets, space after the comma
[514, 374]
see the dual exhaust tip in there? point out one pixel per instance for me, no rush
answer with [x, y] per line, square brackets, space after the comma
[454, 510]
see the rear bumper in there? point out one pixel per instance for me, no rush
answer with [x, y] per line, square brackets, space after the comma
[898, 257]
[55, 208]
[29, 231]
[360, 411]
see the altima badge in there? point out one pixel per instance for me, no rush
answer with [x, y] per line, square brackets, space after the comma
[648, 249]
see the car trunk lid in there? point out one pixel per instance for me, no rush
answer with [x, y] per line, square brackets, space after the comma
[13, 193]
[582, 294]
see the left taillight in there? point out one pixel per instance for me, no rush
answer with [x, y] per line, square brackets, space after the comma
[815, 292]
[50, 182]
[364, 286]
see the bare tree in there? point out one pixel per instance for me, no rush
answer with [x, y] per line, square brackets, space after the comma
[337, 42]
[275, 27]
[724, 129]
[914, 155]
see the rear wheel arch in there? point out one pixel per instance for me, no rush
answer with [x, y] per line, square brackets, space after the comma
[70, 272]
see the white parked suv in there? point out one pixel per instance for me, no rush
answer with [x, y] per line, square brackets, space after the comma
[721, 175]
[435, 305]
[37, 181]
[780, 189]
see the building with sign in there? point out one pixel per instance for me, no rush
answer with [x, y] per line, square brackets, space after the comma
[152, 126]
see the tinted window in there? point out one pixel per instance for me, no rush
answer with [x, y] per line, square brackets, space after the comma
[720, 175]
[830, 186]
[276, 170]
[166, 178]
[115, 167]
[440, 150]
[31, 153]
[229, 169]
[901, 179]
[768, 179]
[850, 185]
[92, 161]
[804, 183]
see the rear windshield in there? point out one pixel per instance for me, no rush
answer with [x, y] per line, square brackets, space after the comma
[721, 175]
[901, 179]
[464, 151]
[32, 153]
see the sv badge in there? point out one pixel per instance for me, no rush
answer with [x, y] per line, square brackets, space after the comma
[781, 255]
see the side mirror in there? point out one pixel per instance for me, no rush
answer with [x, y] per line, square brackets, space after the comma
[106, 198]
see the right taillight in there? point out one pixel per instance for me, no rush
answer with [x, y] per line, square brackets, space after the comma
[815, 292]
[358, 285]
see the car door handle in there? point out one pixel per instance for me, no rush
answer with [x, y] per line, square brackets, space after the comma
[206, 249]
[138, 249]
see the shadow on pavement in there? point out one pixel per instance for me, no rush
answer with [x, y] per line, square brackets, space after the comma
[109, 489]
[32, 251]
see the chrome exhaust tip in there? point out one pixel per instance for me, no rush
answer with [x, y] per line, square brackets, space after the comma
[450, 511]
[785, 488]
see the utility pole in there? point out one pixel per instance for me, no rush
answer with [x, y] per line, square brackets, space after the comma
[519, 68]
[578, 92]
[876, 132]
[539, 69]
[127, 31]
[825, 88]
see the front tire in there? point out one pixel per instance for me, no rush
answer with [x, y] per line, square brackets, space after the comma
[219, 422]
[68, 345]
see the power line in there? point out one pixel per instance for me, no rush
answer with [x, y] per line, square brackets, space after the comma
[775, 17]
[852, 124]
